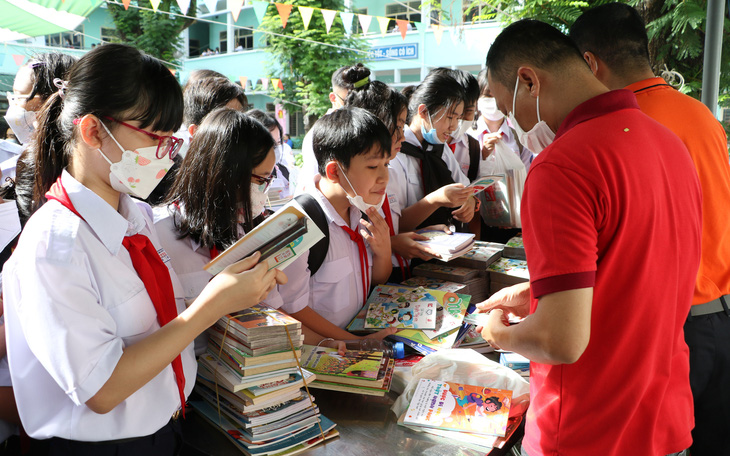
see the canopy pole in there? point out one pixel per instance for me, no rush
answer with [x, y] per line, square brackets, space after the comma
[713, 50]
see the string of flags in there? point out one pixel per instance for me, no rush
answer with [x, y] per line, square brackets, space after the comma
[306, 12]
[276, 83]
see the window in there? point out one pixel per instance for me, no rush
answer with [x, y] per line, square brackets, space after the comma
[194, 48]
[72, 40]
[409, 11]
[726, 115]
[109, 35]
[244, 39]
[296, 123]
[475, 12]
[356, 27]
[223, 42]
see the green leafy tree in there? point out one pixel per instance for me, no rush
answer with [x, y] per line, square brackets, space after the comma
[157, 34]
[302, 62]
[676, 30]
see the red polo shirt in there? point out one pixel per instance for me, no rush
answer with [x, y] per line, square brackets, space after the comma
[615, 204]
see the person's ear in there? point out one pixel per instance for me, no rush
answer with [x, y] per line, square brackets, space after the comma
[192, 129]
[333, 97]
[422, 111]
[592, 61]
[529, 77]
[332, 170]
[90, 129]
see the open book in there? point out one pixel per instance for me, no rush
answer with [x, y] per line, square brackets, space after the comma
[283, 236]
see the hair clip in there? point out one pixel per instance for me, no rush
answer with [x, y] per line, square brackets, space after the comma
[76, 121]
[361, 82]
[36, 64]
[61, 85]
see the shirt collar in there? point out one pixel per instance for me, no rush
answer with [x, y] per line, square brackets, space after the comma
[600, 105]
[107, 224]
[657, 82]
[329, 210]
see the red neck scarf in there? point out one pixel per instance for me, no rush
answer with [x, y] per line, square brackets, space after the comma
[150, 269]
[364, 262]
[402, 263]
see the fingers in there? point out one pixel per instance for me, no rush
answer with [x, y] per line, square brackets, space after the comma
[245, 264]
[281, 278]
[425, 253]
[341, 347]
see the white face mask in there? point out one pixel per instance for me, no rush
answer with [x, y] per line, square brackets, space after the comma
[461, 130]
[258, 199]
[539, 137]
[487, 106]
[139, 171]
[357, 200]
[21, 122]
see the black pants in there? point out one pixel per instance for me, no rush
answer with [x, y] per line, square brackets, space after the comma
[708, 338]
[165, 442]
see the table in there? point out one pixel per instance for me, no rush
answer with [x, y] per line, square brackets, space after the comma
[367, 428]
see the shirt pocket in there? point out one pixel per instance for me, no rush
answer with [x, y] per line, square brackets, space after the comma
[135, 316]
[414, 178]
[331, 287]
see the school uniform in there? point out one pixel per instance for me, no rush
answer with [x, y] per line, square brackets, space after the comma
[73, 302]
[339, 288]
[9, 153]
[508, 137]
[188, 258]
[9, 229]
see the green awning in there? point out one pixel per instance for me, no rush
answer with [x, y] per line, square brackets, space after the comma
[21, 19]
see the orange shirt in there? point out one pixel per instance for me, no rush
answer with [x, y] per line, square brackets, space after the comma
[706, 140]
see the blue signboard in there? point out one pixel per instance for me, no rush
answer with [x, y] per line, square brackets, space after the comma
[400, 51]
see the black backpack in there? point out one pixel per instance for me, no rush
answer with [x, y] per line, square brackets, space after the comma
[319, 250]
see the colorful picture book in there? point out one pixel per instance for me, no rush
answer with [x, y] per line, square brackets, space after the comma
[482, 183]
[326, 362]
[442, 271]
[401, 307]
[283, 236]
[481, 255]
[515, 248]
[259, 321]
[434, 284]
[458, 407]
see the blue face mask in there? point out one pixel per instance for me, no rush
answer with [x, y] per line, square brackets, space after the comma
[430, 136]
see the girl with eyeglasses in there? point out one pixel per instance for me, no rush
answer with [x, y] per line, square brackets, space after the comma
[99, 338]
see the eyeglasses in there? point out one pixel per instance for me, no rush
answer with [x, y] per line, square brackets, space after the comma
[165, 144]
[265, 181]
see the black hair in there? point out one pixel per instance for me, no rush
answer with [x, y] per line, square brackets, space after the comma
[267, 120]
[213, 183]
[529, 42]
[204, 95]
[378, 98]
[407, 92]
[114, 80]
[197, 75]
[345, 133]
[494, 400]
[345, 77]
[45, 68]
[438, 90]
[483, 83]
[615, 33]
[470, 85]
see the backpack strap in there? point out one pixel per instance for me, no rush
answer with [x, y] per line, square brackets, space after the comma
[319, 250]
[475, 155]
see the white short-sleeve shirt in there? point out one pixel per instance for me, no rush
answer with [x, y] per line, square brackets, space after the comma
[335, 291]
[509, 138]
[73, 302]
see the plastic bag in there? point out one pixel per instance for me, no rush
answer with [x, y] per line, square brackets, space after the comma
[500, 204]
[467, 367]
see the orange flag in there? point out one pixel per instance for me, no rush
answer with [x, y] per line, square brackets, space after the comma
[402, 26]
[284, 12]
[244, 80]
[126, 4]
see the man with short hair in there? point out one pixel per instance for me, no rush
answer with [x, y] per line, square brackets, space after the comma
[614, 42]
[609, 201]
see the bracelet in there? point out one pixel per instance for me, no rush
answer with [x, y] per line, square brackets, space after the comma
[324, 340]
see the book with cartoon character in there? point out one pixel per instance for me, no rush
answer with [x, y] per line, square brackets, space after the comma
[326, 362]
[401, 307]
[458, 407]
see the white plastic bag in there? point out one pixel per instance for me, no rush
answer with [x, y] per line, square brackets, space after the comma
[500, 204]
[465, 366]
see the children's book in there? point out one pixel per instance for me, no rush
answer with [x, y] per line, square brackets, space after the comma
[441, 242]
[400, 307]
[324, 361]
[458, 407]
[380, 388]
[260, 321]
[482, 183]
[434, 284]
[510, 267]
[283, 236]
[441, 271]
[515, 248]
[481, 255]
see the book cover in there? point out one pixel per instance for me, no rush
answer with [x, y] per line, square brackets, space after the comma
[379, 389]
[458, 407]
[441, 242]
[260, 319]
[481, 255]
[400, 307]
[434, 284]
[510, 267]
[442, 271]
[273, 228]
[353, 364]
[515, 248]
[482, 183]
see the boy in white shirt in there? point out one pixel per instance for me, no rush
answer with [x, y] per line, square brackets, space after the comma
[352, 148]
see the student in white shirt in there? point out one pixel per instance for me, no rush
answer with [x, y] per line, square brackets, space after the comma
[466, 152]
[430, 182]
[342, 82]
[352, 147]
[99, 339]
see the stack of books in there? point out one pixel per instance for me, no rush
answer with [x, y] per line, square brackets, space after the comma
[475, 416]
[250, 384]
[434, 284]
[476, 282]
[481, 255]
[447, 246]
[450, 311]
[506, 272]
[361, 372]
[514, 248]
